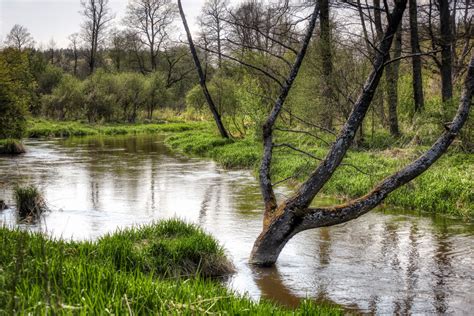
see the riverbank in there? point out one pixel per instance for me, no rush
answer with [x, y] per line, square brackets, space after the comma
[446, 188]
[157, 269]
[44, 128]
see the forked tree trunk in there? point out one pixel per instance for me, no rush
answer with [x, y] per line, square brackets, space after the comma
[202, 77]
[295, 215]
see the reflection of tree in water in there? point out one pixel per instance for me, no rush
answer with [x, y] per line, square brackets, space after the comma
[212, 190]
[444, 269]
[324, 246]
[94, 191]
[412, 269]
[270, 282]
[390, 243]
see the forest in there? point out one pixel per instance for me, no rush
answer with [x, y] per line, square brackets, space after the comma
[336, 108]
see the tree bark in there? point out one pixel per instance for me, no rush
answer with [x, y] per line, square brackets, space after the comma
[446, 52]
[202, 78]
[380, 96]
[326, 60]
[418, 96]
[265, 177]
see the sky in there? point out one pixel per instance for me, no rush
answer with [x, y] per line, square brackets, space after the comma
[57, 19]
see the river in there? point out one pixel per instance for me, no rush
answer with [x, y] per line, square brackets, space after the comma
[385, 262]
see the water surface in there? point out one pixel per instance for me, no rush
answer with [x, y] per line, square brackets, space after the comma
[384, 263]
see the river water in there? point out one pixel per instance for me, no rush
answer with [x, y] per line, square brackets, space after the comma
[383, 263]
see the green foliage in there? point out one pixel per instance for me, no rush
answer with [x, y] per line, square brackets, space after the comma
[122, 273]
[238, 100]
[48, 79]
[101, 92]
[66, 100]
[14, 93]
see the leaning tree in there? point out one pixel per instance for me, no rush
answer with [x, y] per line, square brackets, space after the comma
[285, 219]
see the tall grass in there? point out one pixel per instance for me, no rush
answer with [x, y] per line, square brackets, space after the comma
[120, 274]
[29, 201]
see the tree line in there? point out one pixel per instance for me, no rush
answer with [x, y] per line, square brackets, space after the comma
[245, 49]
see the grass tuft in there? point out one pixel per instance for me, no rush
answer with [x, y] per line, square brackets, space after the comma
[29, 202]
[11, 147]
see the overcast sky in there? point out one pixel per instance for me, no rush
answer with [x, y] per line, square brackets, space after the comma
[57, 19]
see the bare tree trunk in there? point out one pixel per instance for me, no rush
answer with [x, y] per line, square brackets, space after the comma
[202, 78]
[153, 59]
[380, 96]
[416, 60]
[265, 177]
[391, 75]
[446, 51]
[75, 62]
[326, 60]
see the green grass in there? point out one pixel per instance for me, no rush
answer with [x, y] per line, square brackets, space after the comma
[45, 128]
[29, 201]
[446, 188]
[124, 273]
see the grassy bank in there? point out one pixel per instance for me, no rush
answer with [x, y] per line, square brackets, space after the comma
[131, 272]
[447, 188]
[44, 128]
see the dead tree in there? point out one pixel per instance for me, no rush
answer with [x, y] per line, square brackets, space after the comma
[294, 215]
[151, 19]
[97, 16]
[213, 13]
[202, 78]
[19, 38]
[74, 45]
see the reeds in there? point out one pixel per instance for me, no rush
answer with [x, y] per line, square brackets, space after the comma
[29, 201]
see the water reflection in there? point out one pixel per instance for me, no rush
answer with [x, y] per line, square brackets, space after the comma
[382, 263]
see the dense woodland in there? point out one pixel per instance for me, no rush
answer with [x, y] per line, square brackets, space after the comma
[136, 72]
